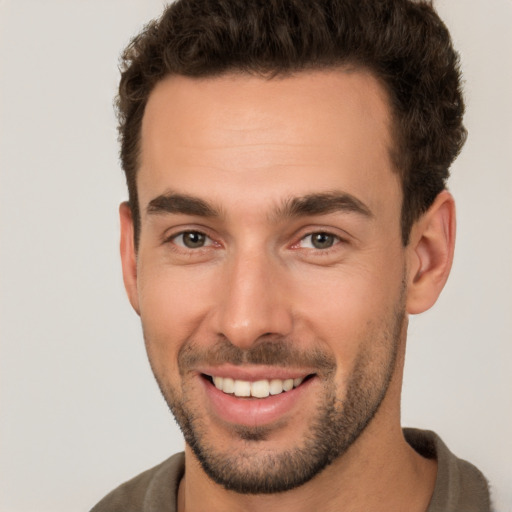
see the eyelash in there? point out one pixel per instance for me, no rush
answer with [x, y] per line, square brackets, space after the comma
[171, 240]
[312, 252]
[180, 247]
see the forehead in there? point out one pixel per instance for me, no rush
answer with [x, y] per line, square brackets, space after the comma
[320, 129]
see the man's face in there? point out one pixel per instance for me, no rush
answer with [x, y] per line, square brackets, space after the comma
[270, 264]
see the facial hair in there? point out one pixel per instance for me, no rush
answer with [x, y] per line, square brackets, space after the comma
[336, 425]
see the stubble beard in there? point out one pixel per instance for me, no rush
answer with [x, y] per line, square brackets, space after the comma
[337, 424]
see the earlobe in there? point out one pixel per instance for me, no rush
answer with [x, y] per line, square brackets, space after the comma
[430, 253]
[128, 255]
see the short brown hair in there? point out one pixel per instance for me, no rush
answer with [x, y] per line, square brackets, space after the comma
[402, 42]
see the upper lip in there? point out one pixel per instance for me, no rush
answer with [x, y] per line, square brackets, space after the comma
[254, 373]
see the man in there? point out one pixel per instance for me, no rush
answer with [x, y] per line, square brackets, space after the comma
[286, 164]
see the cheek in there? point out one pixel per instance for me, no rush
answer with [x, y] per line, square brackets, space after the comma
[348, 309]
[172, 306]
[171, 296]
[346, 297]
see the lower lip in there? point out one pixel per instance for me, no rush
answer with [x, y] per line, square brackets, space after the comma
[255, 411]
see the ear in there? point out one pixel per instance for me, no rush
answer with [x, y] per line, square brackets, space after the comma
[128, 255]
[430, 253]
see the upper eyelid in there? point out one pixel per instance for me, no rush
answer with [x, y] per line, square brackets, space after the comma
[299, 234]
[180, 247]
[176, 231]
[340, 234]
[182, 233]
[321, 231]
[339, 239]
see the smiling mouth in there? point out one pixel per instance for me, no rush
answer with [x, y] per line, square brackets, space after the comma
[255, 389]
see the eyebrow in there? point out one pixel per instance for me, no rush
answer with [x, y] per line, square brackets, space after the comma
[322, 204]
[302, 206]
[181, 204]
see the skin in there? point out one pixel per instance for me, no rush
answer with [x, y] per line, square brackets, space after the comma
[248, 146]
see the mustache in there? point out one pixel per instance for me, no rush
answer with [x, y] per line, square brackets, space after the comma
[269, 352]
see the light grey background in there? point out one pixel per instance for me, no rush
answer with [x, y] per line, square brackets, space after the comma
[79, 409]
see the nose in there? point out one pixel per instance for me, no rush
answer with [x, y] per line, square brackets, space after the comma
[252, 302]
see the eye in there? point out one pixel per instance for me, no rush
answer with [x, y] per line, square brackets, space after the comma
[320, 240]
[191, 240]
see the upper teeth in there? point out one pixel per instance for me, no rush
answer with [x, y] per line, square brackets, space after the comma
[257, 389]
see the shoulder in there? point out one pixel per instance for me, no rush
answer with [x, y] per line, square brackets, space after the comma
[152, 490]
[459, 484]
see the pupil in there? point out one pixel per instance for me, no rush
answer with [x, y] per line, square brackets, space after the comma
[322, 240]
[193, 239]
